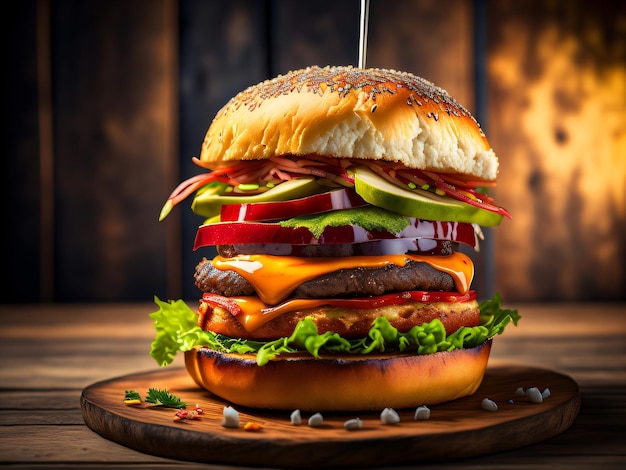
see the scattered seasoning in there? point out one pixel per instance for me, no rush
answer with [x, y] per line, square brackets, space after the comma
[374, 108]
[316, 420]
[422, 413]
[252, 426]
[389, 416]
[353, 424]
[188, 414]
[534, 395]
[230, 417]
[296, 418]
[488, 405]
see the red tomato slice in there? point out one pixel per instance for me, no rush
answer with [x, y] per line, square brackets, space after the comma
[403, 297]
[281, 210]
[232, 233]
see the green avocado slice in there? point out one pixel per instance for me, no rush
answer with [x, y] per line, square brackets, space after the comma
[209, 200]
[418, 203]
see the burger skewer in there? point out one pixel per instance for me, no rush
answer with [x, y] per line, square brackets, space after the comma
[363, 24]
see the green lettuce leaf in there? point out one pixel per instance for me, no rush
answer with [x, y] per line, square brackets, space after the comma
[368, 217]
[178, 331]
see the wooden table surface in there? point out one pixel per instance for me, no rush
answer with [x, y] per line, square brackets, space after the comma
[50, 353]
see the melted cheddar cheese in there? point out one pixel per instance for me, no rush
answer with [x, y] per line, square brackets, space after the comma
[275, 277]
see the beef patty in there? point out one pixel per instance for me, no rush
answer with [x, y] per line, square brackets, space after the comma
[357, 282]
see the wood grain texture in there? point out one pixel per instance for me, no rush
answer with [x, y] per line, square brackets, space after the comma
[114, 116]
[455, 430]
[557, 111]
[50, 352]
[20, 248]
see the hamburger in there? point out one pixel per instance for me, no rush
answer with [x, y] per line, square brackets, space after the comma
[337, 203]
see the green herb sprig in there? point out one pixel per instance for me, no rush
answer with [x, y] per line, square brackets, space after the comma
[132, 397]
[164, 398]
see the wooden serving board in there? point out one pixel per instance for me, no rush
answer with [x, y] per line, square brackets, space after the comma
[455, 430]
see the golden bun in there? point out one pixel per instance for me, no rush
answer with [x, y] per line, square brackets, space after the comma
[347, 112]
[343, 383]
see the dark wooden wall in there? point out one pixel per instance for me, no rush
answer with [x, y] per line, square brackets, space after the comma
[107, 101]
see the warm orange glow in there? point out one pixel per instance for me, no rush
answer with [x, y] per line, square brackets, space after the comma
[560, 134]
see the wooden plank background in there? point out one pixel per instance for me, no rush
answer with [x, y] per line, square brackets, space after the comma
[107, 101]
[557, 94]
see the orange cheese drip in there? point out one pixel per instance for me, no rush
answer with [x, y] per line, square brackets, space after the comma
[255, 313]
[275, 277]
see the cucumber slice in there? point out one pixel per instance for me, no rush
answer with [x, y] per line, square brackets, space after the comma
[418, 203]
[208, 203]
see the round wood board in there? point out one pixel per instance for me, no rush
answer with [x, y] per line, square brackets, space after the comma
[455, 430]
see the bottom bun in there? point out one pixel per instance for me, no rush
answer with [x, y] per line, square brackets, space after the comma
[345, 383]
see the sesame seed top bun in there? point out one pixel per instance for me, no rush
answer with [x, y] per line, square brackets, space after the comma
[347, 112]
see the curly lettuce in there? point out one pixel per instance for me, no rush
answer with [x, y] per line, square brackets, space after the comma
[177, 331]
